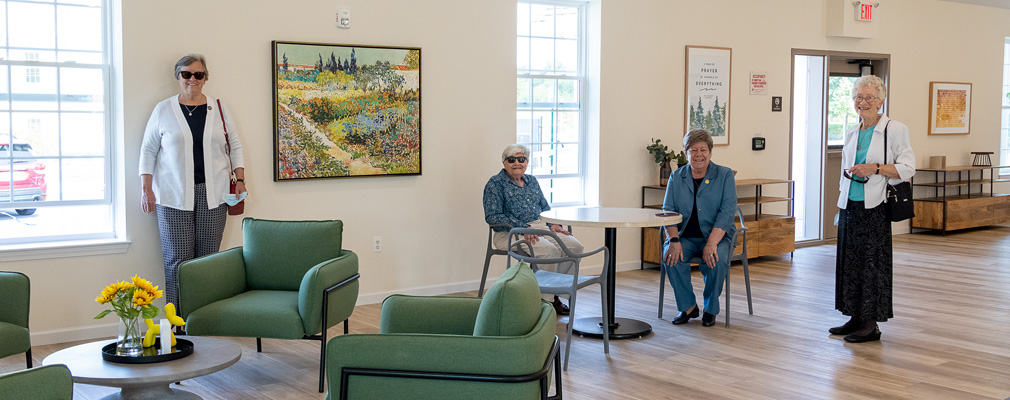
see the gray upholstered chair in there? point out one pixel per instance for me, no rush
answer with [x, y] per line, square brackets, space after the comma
[50, 382]
[501, 346]
[15, 293]
[742, 257]
[289, 280]
[491, 251]
[566, 284]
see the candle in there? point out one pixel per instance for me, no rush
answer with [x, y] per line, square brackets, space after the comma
[166, 336]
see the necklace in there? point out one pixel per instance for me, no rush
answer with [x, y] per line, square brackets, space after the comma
[190, 110]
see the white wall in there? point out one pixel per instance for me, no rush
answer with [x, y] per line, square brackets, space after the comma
[431, 224]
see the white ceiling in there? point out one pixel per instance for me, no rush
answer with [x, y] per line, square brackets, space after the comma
[990, 3]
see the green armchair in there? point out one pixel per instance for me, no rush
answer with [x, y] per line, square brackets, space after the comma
[501, 346]
[15, 293]
[51, 382]
[289, 280]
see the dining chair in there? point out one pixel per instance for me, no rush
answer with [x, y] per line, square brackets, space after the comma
[492, 251]
[557, 283]
[742, 257]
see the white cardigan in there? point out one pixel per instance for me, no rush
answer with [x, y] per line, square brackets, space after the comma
[899, 153]
[167, 154]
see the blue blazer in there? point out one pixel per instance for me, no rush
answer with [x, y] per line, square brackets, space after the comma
[716, 199]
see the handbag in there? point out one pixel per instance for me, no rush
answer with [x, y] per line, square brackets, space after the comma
[239, 208]
[898, 203]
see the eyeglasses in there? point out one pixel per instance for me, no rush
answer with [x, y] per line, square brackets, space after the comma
[198, 75]
[512, 159]
[845, 172]
[869, 99]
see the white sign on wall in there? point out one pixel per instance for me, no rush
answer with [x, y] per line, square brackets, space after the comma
[759, 82]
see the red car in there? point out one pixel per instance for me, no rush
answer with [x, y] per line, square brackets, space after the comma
[28, 175]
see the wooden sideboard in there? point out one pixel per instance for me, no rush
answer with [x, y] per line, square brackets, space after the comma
[767, 234]
[958, 197]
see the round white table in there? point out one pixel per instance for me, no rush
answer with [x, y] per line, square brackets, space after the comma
[610, 218]
[146, 381]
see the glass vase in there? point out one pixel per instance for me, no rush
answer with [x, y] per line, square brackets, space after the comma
[129, 343]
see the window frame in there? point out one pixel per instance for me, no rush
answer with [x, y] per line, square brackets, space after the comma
[581, 77]
[102, 242]
[1004, 142]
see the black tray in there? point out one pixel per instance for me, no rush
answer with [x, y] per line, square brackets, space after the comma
[151, 354]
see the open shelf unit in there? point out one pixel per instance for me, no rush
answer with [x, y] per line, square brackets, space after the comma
[958, 198]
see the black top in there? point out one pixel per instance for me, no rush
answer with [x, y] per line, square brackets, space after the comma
[693, 228]
[196, 117]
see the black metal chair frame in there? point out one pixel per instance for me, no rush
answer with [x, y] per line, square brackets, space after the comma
[321, 337]
[553, 358]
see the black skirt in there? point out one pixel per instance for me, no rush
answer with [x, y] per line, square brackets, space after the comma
[863, 265]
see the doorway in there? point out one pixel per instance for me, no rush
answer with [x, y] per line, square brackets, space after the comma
[821, 112]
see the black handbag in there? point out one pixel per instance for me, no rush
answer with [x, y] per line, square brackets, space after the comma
[898, 203]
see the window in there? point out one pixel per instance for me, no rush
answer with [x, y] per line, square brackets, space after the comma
[841, 114]
[55, 130]
[550, 82]
[1004, 132]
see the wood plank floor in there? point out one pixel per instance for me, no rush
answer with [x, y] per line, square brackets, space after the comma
[950, 337]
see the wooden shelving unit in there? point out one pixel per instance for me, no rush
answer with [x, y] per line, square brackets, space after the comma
[767, 234]
[960, 199]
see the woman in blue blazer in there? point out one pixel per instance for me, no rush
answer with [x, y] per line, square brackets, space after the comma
[705, 194]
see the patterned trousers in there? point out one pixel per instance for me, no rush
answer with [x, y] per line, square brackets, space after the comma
[186, 235]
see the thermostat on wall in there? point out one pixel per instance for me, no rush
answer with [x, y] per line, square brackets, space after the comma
[758, 143]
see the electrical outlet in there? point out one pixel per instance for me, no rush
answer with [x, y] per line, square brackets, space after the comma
[377, 244]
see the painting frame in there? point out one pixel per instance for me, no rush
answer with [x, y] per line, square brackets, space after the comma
[708, 73]
[345, 110]
[954, 99]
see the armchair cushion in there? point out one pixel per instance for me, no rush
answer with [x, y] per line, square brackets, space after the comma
[49, 382]
[277, 255]
[14, 339]
[256, 313]
[435, 315]
[511, 306]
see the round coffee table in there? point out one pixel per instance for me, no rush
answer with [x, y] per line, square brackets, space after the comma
[146, 381]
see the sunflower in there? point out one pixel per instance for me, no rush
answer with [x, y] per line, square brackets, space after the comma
[142, 298]
[110, 292]
[146, 286]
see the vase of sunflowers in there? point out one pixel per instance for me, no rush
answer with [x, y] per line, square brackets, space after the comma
[132, 302]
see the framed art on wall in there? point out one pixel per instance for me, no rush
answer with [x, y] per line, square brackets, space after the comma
[346, 110]
[949, 108]
[707, 91]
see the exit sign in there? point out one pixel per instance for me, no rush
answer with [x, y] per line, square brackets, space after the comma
[864, 11]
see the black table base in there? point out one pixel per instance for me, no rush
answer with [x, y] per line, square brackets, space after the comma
[625, 328]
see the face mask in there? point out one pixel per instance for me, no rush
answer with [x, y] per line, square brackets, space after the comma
[232, 200]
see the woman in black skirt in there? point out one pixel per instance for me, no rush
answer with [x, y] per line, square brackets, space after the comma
[863, 278]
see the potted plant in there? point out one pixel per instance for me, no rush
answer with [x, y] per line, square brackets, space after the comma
[663, 156]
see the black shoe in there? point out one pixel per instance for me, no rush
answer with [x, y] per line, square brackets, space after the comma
[559, 307]
[869, 337]
[708, 319]
[851, 326]
[683, 317]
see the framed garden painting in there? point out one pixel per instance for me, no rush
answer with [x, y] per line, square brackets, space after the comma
[949, 108]
[707, 89]
[346, 110]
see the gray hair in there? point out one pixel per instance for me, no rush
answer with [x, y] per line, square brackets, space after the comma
[512, 149]
[870, 81]
[695, 136]
[188, 60]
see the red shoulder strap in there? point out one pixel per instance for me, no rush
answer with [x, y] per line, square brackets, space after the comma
[225, 125]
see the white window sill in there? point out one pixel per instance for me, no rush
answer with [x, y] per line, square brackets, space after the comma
[73, 248]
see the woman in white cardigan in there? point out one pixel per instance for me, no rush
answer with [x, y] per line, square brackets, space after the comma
[185, 170]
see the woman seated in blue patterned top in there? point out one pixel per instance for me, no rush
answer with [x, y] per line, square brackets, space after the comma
[514, 197]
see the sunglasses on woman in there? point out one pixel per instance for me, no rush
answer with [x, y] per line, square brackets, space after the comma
[512, 159]
[198, 75]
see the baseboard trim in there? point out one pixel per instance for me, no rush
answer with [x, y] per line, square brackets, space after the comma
[65, 335]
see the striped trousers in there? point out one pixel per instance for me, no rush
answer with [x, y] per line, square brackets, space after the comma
[186, 235]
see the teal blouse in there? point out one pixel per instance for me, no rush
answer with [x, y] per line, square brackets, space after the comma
[856, 188]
